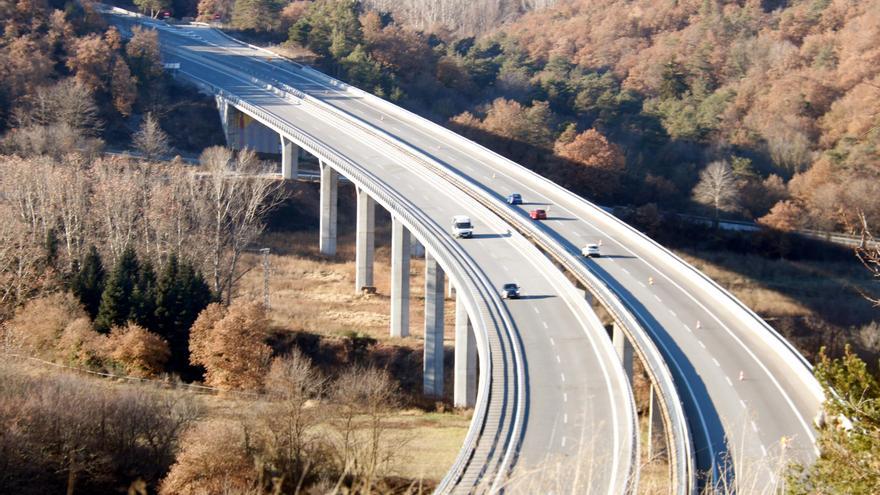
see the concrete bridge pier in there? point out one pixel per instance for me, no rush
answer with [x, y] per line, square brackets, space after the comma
[229, 120]
[365, 241]
[433, 358]
[400, 257]
[289, 159]
[327, 222]
[417, 250]
[655, 426]
[465, 389]
[243, 131]
[624, 350]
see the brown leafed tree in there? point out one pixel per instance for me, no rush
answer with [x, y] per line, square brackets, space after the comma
[81, 346]
[26, 63]
[144, 56]
[786, 216]
[602, 162]
[123, 87]
[90, 61]
[230, 344]
[138, 351]
[717, 189]
[38, 326]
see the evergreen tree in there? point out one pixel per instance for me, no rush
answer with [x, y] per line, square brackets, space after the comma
[259, 15]
[143, 298]
[116, 300]
[181, 294]
[88, 282]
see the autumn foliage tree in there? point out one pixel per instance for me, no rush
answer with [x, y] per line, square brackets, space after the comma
[37, 327]
[137, 351]
[230, 344]
[602, 162]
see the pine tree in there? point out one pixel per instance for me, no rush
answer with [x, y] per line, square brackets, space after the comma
[143, 298]
[88, 282]
[181, 294]
[116, 300]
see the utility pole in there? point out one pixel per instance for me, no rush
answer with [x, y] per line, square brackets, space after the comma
[265, 253]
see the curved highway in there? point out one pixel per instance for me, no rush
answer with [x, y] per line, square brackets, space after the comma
[573, 400]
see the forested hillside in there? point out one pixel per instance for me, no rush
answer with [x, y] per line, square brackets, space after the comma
[463, 17]
[628, 102]
[792, 86]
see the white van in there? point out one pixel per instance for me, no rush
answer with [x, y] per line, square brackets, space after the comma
[462, 227]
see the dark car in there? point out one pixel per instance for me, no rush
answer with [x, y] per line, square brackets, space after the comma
[510, 291]
[538, 214]
[514, 199]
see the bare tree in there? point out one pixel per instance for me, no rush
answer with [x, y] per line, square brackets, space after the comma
[868, 253]
[291, 420]
[233, 195]
[117, 204]
[150, 139]
[717, 188]
[69, 189]
[364, 398]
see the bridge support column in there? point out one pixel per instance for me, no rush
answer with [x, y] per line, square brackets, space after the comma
[624, 350]
[229, 120]
[433, 358]
[417, 250]
[400, 255]
[655, 425]
[365, 242]
[329, 189]
[289, 159]
[465, 394]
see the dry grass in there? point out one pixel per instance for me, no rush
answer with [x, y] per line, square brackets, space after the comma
[429, 442]
[314, 293]
[782, 288]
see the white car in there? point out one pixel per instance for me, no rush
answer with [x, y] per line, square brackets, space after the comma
[462, 226]
[591, 251]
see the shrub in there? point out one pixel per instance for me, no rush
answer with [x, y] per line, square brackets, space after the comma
[216, 458]
[37, 327]
[140, 352]
[81, 345]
